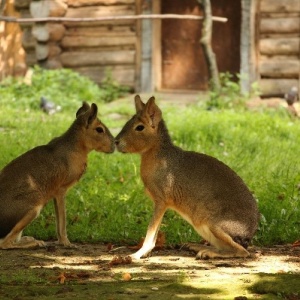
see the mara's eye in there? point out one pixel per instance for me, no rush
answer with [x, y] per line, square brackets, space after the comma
[99, 129]
[139, 128]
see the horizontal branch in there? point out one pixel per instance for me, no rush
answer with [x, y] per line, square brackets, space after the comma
[108, 18]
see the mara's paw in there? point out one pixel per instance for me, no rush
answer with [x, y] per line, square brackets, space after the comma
[207, 254]
[135, 256]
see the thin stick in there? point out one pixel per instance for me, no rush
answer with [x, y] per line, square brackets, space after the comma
[108, 18]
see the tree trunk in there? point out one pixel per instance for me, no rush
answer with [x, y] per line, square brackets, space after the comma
[205, 41]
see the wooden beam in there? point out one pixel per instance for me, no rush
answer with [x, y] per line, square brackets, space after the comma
[276, 86]
[279, 46]
[108, 18]
[280, 25]
[94, 58]
[279, 6]
[279, 68]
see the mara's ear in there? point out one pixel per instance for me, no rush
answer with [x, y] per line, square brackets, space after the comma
[93, 113]
[139, 104]
[153, 112]
[83, 109]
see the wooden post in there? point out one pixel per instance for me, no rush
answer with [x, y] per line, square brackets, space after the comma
[210, 56]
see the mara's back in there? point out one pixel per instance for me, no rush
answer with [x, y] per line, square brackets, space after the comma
[204, 188]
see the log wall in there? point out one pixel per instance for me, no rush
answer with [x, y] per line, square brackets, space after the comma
[12, 61]
[279, 45]
[89, 48]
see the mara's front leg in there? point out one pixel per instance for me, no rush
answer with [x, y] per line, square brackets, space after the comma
[150, 239]
[61, 226]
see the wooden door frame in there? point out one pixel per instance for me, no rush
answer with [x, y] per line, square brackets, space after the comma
[156, 48]
[248, 46]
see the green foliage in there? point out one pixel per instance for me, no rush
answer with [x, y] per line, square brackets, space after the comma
[64, 87]
[229, 96]
[111, 89]
[109, 204]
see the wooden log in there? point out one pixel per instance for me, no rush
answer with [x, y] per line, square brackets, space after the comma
[280, 25]
[282, 15]
[25, 14]
[122, 74]
[279, 57]
[276, 86]
[41, 51]
[99, 11]
[279, 46]
[279, 68]
[101, 31]
[54, 50]
[45, 32]
[82, 41]
[30, 58]
[77, 3]
[279, 6]
[21, 4]
[28, 40]
[40, 32]
[56, 31]
[52, 63]
[81, 59]
[48, 8]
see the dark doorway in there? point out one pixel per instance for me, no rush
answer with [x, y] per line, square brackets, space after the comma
[183, 64]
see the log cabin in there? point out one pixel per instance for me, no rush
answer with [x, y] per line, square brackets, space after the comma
[260, 40]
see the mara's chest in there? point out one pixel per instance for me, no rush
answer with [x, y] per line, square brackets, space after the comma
[158, 178]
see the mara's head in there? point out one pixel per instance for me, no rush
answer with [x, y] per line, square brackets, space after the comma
[140, 133]
[94, 135]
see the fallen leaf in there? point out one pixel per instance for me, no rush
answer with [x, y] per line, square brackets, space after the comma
[296, 244]
[119, 260]
[109, 246]
[62, 278]
[126, 277]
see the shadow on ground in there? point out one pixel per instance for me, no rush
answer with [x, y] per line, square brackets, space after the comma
[87, 272]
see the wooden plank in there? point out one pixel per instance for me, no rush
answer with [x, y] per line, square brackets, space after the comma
[122, 74]
[279, 46]
[81, 59]
[280, 25]
[276, 86]
[279, 68]
[279, 6]
[84, 41]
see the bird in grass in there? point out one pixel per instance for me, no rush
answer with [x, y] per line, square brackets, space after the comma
[49, 107]
[291, 98]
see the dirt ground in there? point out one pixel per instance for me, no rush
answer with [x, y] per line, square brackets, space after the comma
[93, 272]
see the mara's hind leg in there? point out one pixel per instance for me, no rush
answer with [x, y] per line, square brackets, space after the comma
[225, 246]
[14, 239]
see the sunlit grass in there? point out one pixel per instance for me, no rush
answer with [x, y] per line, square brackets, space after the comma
[109, 204]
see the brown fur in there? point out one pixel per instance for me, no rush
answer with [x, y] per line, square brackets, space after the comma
[32, 179]
[203, 190]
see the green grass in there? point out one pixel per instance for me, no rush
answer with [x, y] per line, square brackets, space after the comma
[109, 204]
